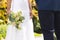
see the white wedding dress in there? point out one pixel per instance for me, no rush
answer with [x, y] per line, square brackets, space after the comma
[26, 32]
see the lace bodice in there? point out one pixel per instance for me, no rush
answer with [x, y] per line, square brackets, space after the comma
[19, 5]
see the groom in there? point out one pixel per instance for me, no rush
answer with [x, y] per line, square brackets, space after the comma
[49, 15]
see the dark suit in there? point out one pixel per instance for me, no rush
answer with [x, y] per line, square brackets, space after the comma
[48, 4]
[49, 15]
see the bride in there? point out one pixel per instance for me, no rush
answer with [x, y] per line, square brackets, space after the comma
[26, 32]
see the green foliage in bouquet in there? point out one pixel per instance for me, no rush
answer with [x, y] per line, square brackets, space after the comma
[16, 18]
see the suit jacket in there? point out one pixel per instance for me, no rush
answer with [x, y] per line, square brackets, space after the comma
[48, 5]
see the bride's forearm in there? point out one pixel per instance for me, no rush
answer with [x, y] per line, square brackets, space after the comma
[30, 6]
[8, 4]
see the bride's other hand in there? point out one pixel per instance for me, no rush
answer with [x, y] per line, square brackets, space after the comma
[31, 15]
[8, 12]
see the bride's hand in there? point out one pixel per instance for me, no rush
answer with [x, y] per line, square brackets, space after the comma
[8, 12]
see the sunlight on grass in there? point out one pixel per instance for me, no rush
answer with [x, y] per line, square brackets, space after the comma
[37, 35]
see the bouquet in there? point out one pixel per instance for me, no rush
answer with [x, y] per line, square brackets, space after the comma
[16, 18]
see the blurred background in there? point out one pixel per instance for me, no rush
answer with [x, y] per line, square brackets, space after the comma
[4, 18]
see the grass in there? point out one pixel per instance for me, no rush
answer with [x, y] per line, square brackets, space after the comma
[37, 35]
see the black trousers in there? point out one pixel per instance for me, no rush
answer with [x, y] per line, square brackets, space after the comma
[49, 20]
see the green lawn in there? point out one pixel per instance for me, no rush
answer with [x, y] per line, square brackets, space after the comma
[36, 34]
